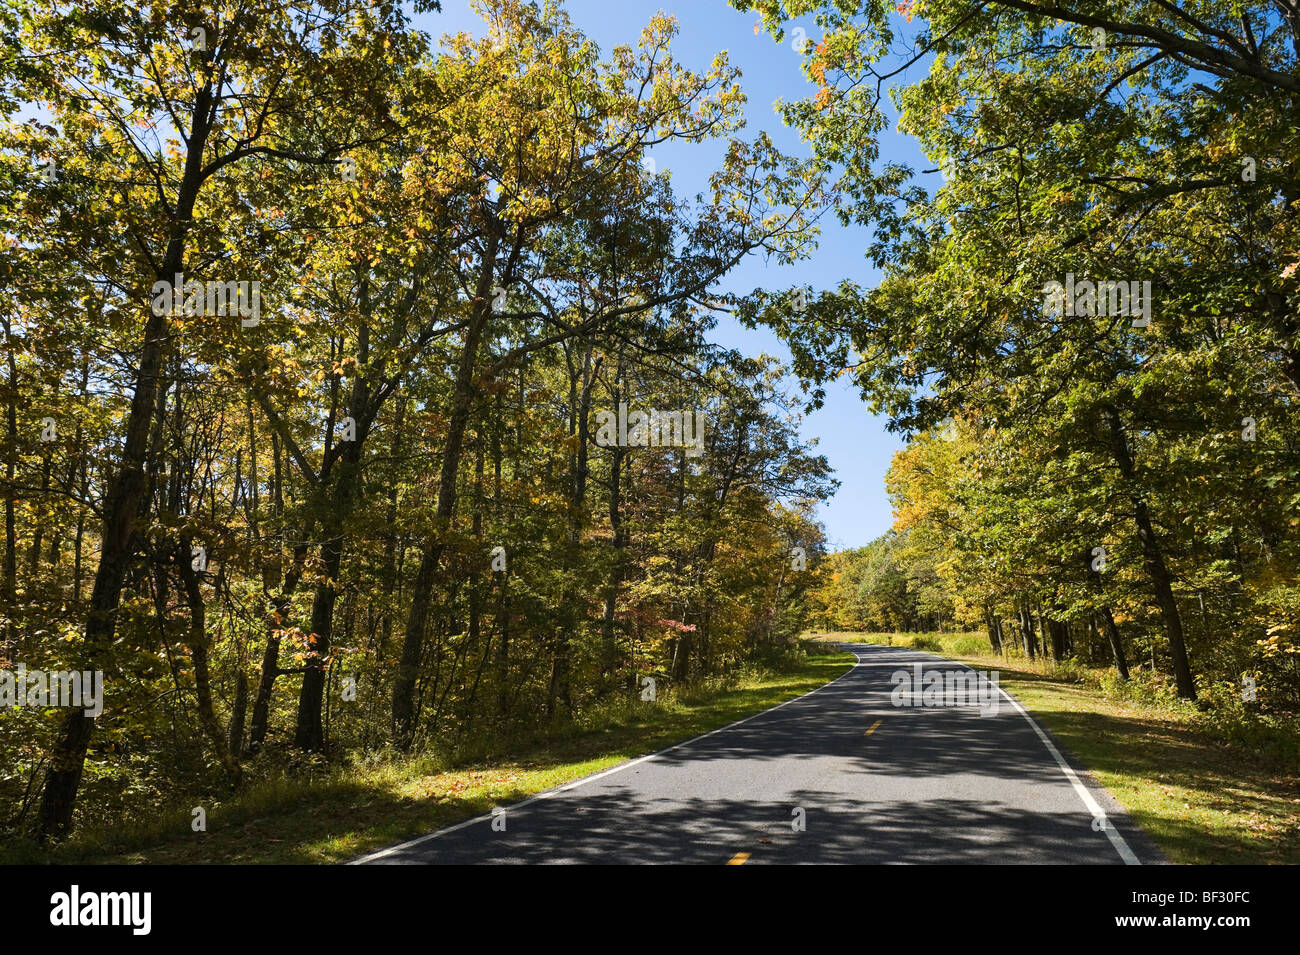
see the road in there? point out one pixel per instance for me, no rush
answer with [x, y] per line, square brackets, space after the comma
[876, 783]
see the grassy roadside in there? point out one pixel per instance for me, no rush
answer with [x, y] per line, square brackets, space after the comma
[1202, 798]
[366, 806]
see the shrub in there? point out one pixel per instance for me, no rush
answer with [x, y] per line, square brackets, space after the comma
[970, 645]
[1222, 712]
[1072, 669]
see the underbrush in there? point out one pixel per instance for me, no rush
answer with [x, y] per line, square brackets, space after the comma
[303, 808]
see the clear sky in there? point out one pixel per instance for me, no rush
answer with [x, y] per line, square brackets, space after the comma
[856, 443]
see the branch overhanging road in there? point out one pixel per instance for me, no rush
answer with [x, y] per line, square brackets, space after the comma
[877, 783]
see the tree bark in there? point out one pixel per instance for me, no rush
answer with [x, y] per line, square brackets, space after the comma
[1057, 633]
[1116, 647]
[238, 714]
[198, 646]
[277, 620]
[1027, 629]
[1153, 560]
[609, 641]
[990, 623]
[10, 584]
[123, 499]
[462, 401]
[309, 731]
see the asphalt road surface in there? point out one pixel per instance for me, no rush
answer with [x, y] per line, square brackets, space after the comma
[839, 775]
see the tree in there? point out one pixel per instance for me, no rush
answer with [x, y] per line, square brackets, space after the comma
[1116, 160]
[565, 138]
[149, 111]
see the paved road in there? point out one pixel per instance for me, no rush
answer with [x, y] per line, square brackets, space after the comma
[877, 783]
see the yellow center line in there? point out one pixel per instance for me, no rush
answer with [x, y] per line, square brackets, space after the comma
[740, 858]
[873, 727]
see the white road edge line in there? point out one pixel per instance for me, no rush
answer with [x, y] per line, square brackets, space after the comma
[1116, 838]
[594, 776]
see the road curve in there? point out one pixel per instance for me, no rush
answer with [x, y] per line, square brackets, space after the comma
[876, 783]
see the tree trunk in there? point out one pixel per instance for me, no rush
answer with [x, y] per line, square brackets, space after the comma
[309, 732]
[266, 682]
[38, 532]
[238, 714]
[9, 588]
[1027, 629]
[1116, 647]
[1153, 560]
[580, 388]
[462, 401]
[995, 639]
[123, 498]
[503, 604]
[198, 644]
[277, 620]
[1056, 630]
[609, 640]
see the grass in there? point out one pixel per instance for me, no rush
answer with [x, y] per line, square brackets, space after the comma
[1202, 795]
[368, 804]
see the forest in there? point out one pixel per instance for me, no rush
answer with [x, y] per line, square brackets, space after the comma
[360, 396]
[1101, 467]
[358, 500]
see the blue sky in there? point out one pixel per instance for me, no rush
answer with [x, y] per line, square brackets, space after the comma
[855, 442]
